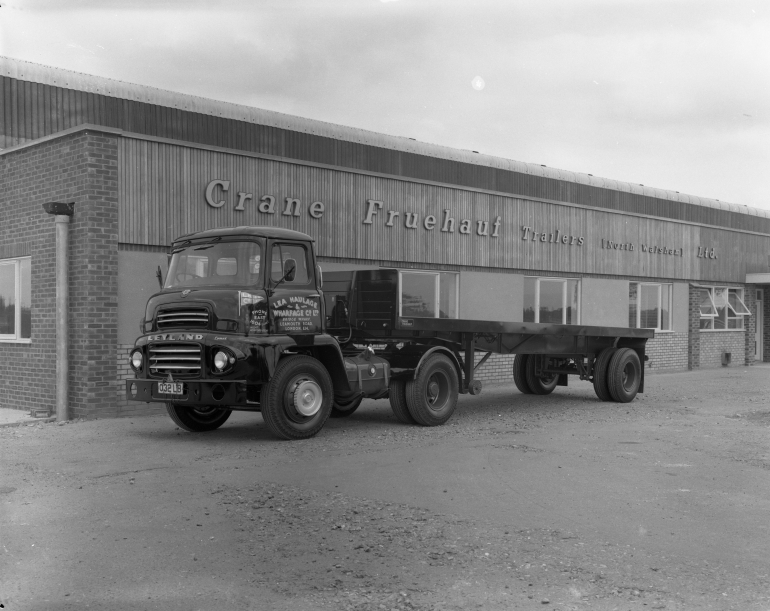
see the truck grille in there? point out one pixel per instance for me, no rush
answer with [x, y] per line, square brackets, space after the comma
[183, 318]
[179, 360]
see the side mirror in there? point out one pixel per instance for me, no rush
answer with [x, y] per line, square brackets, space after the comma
[289, 270]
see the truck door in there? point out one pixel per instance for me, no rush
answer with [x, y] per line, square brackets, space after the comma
[295, 303]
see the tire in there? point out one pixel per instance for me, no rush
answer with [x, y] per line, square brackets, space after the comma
[297, 400]
[625, 375]
[520, 373]
[343, 409]
[397, 397]
[601, 365]
[432, 396]
[538, 385]
[198, 419]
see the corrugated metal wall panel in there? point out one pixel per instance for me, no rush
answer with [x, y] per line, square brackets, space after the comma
[32, 110]
[162, 196]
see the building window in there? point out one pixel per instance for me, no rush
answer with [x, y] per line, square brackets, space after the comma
[16, 299]
[721, 308]
[552, 300]
[649, 306]
[428, 294]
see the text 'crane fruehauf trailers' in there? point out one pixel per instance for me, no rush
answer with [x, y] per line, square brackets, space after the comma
[244, 321]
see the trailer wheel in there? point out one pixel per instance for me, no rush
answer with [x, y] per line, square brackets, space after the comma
[432, 396]
[539, 385]
[625, 375]
[298, 398]
[520, 373]
[397, 396]
[601, 387]
[198, 419]
[343, 409]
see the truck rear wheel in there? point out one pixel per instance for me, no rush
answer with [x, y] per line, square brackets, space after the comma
[432, 396]
[520, 373]
[540, 385]
[198, 419]
[601, 374]
[343, 409]
[298, 398]
[625, 375]
[397, 397]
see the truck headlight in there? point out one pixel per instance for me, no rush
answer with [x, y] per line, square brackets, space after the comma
[137, 360]
[223, 359]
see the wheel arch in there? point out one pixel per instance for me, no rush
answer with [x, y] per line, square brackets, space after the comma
[439, 350]
[331, 358]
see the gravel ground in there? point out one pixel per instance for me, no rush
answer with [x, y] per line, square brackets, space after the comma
[519, 502]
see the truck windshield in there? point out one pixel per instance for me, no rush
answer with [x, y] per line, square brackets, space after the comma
[215, 263]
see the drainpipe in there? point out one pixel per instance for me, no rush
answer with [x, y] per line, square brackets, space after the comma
[62, 213]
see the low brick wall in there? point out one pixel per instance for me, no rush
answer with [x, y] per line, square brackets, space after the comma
[497, 368]
[714, 343]
[667, 352]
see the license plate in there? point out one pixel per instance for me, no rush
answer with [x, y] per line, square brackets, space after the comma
[170, 388]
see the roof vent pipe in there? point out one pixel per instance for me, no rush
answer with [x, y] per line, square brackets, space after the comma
[62, 213]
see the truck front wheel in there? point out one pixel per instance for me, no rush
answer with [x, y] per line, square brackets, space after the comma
[298, 398]
[432, 396]
[198, 419]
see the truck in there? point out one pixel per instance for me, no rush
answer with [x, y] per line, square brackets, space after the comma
[246, 320]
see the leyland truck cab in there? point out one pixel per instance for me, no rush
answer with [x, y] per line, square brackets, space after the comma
[235, 304]
[242, 322]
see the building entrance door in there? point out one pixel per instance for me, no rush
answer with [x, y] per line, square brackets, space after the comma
[758, 347]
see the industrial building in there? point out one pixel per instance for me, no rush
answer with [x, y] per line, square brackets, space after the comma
[496, 239]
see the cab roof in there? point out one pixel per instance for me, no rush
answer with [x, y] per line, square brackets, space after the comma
[247, 231]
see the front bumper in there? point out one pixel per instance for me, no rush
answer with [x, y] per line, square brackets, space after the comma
[196, 392]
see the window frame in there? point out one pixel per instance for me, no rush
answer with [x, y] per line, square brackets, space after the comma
[309, 266]
[206, 277]
[659, 286]
[725, 317]
[16, 338]
[437, 289]
[564, 297]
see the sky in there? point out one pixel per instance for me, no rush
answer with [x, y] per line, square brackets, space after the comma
[671, 94]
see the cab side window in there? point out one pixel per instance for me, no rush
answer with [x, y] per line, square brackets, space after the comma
[284, 252]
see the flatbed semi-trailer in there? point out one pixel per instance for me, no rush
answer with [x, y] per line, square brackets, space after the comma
[244, 320]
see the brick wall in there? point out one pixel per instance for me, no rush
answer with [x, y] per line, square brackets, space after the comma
[766, 327]
[80, 168]
[750, 325]
[668, 351]
[124, 372]
[497, 368]
[693, 340]
[714, 343]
